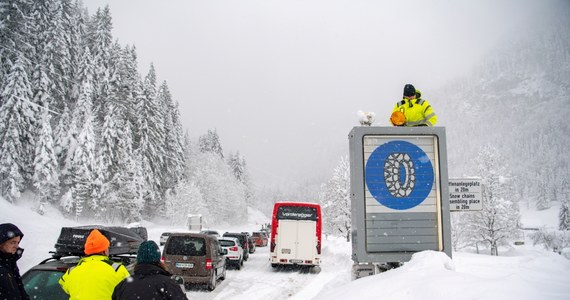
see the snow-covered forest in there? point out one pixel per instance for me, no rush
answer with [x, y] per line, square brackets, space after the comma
[85, 131]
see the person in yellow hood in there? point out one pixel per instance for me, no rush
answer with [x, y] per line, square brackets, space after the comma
[413, 110]
[95, 276]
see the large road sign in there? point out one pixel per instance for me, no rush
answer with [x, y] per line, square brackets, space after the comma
[399, 192]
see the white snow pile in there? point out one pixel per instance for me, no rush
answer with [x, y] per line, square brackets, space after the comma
[366, 118]
[433, 275]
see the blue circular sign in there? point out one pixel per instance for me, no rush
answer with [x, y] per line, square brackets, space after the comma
[399, 175]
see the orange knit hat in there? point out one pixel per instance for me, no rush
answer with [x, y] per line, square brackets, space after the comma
[96, 243]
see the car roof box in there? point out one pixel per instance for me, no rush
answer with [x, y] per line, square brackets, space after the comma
[71, 240]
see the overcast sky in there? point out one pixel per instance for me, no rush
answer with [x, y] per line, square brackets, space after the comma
[281, 81]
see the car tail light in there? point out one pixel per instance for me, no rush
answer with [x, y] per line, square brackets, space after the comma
[272, 247]
[208, 264]
[162, 258]
[234, 248]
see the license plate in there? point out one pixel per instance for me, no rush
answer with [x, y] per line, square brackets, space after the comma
[184, 265]
[296, 261]
[286, 251]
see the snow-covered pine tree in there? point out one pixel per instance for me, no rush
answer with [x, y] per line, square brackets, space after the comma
[83, 172]
[100, 41]
[151, 140]
[235, 163]
[542, 199]
[336, 200]
[210, 142]
[81, 164]
[14, 37]
[174, 158]
[499, 221]
[16, 133]
[238, 166]
[133, 189]
[46, 169]
[564, 215]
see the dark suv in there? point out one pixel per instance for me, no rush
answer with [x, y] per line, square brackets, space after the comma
[242, 237]
[42, 280]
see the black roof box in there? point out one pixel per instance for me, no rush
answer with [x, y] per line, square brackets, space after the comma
[71, 240]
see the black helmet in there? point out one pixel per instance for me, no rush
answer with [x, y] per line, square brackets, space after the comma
[409, 90]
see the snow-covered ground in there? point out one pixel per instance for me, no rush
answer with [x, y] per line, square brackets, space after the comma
[521, 272]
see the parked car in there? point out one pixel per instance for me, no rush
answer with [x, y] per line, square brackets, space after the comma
[41, 280]
[211, 232]
[242, 241]
[259, 238]
[196, 258]
[164, 238]
[250, 244]
[235, 251]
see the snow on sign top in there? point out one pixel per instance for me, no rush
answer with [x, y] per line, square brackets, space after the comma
[465, 194]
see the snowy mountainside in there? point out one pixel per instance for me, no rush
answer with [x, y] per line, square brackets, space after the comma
[517, 101]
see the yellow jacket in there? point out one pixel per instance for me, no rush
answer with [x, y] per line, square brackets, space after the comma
[418, 112]
[94, 277]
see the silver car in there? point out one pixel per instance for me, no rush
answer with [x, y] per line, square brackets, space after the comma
[164, 238]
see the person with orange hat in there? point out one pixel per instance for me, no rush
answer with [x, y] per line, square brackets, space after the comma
[413, 110]
[95, 275]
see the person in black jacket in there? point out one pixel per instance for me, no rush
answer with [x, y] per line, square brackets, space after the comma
[151, 280]
[11, 286]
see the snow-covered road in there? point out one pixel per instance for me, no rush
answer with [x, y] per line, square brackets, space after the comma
[258, 280]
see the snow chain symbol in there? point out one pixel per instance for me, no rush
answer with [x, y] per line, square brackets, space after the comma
[399, 174]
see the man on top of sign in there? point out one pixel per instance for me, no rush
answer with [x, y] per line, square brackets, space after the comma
[413, 110]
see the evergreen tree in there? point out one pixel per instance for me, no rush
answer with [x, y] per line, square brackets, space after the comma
[174, 160]
[151, 129]
[210, 142]
[16, 133]
[100, 41]
[542, 200]
[564, 216]
[82, 164]
[14, 37]
[83, 172]
[46, 176]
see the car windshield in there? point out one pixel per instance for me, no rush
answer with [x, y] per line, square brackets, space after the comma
[43, 285]
[186, 245]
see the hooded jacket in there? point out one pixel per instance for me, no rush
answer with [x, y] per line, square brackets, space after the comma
[150, 281]
[11, 286]
[418, 112]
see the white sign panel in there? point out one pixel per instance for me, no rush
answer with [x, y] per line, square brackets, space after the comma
[465, 194]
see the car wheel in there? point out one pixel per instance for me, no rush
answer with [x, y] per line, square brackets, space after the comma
[223, 277]
[239, 264]
[212, 283]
